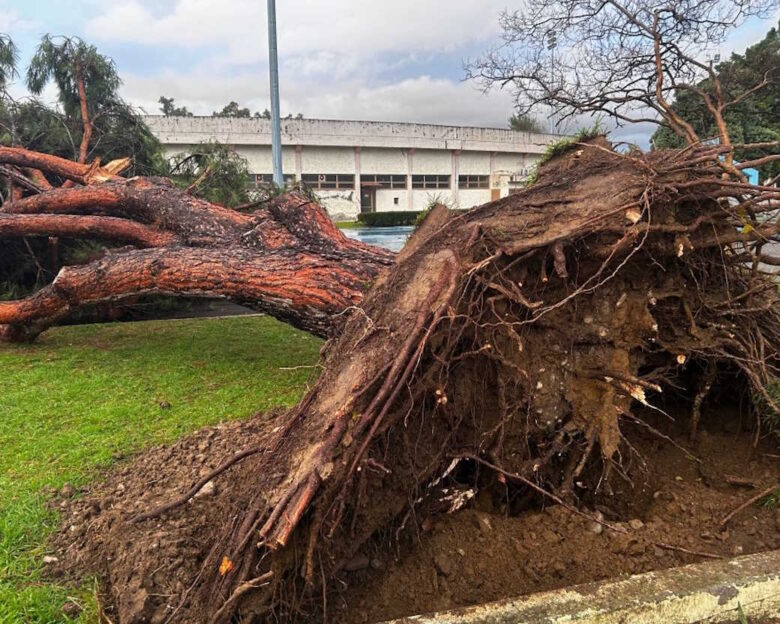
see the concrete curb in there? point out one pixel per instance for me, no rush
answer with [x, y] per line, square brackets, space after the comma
[703, 592]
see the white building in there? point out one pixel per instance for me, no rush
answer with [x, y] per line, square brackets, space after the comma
[370, 166]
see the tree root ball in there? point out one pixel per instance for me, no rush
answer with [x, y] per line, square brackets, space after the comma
[513, 340]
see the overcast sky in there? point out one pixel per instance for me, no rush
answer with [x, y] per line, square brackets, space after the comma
[397, 60]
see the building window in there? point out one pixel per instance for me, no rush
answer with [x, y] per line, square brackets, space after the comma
[384, 181]
[329, 180]
[431, 181]
[265, 179]
[474, 181]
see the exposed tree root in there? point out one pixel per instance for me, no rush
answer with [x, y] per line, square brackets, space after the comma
[515, 337]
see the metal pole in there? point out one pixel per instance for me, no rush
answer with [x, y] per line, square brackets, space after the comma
[552, 78]
[276, 124]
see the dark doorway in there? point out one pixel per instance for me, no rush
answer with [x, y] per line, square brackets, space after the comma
[368, 199]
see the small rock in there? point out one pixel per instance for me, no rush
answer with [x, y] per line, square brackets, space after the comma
[483, 523]
[67, 490]
[444, 564]
[49, 559]
[636, 524]
[737, 550]
[461, 552]
[71, 609]
[597, 527]
[636, 549]
[209, 489]
[165, 405]
[358, 562]
[120, 488]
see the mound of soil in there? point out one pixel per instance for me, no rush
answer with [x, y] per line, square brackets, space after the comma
[486, 551]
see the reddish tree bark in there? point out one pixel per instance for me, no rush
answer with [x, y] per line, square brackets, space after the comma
[287, 258]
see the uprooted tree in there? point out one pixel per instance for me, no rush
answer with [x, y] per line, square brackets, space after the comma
[517, 336]
[286, 258]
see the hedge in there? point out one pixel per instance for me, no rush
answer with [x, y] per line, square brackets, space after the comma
[389, 219]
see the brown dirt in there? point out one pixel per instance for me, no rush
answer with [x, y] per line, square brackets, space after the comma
[484, 552]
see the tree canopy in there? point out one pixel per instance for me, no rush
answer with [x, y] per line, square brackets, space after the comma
[169, 108]
[9, 56]
[753, 119]
[621, 58]
[232, 110]
[524, 123]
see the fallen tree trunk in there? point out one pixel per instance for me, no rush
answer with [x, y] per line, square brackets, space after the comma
[287, 258]
[512, 338]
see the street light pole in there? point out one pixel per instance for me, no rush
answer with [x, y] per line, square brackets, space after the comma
[276, 124]
[552, 42]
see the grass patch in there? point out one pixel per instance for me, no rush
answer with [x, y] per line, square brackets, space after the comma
[84, 395]
[349, 225]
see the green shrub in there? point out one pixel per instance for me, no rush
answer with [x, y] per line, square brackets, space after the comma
[389, 219]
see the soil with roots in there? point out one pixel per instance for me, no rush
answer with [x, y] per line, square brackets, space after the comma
[501, 544]
[519, 344]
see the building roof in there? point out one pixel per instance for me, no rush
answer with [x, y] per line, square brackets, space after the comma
[341, 133]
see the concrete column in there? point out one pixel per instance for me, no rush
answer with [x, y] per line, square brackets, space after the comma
[358, 190]
[409, 170]
[455, 175]
[492, 170]
[298, 163]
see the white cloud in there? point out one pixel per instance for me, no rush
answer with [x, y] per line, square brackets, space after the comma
[343, 28]
[423, 99]
[339, 58]
[11, 22]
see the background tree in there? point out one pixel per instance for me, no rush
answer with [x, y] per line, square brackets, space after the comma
[87, 81]
[754, 119]
[169, 108]
[621, 58]
[524, 123]
[233, 110]
[9, 55]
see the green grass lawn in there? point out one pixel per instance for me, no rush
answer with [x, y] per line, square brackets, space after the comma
[81, 396]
